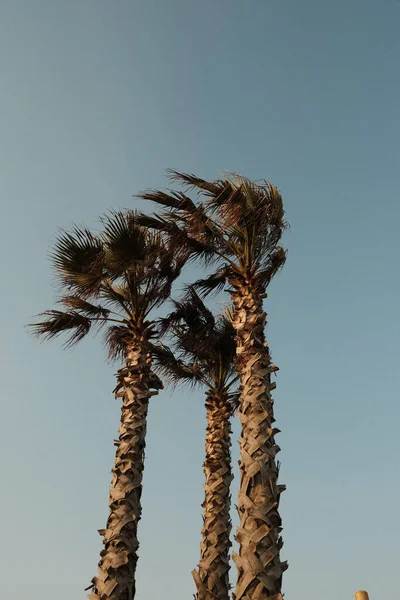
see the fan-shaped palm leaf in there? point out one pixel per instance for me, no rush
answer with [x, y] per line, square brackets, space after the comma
[78, 258]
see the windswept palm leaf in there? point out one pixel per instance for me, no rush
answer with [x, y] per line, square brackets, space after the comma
[211, 188]
[213, 283]
[55, 322]
[85, 307]
[174, 370]
[173, 199]
[239, 224]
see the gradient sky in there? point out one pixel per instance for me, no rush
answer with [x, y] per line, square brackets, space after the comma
[97, 99]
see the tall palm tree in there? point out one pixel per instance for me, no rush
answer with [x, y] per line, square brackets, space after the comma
[203, 353]
[237, 227]
[115, 279]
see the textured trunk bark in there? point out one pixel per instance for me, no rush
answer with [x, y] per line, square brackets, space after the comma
[212, 577]
[258, 562]
[117, 566]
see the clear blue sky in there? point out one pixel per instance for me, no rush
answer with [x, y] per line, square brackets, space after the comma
[97, 98]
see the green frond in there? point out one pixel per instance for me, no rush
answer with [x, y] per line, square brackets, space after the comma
[228, 206]
[155, 296]
[127, 266]
[192, 182]
[187, 233]
[125, 242]
[56, 322]
[224, 343]
[170, 199]
[183, 242]
[116, 296]
[78, 258]
[191, 311]
[202, 340]
[238, 225]
[152, 222]
[173, 370]
[90, 310]
[275, 262]
[213, 283]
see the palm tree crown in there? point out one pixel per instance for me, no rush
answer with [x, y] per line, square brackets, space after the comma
[203, 347]
[237, 226]
[116, 278]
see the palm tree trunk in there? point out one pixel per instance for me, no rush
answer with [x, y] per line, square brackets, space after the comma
[117, 566]
[258, 562]
[212, 577]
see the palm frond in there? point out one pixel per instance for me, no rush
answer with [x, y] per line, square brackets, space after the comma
[115, 295]
[275, 262]
[191, 311]
[172, 369]
[90, 310]
[78, 258]
[234, 400]
[170, 199]
[228, 205]
[201, 341]
[152, 222]
[155, 296]
[117, 338]
[180, 243]
[124, 241]
[213, 283]
[212, 188]
[238, 225]
[56, 322]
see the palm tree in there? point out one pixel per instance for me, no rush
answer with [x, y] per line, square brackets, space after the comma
[203, 353]
[115, 279]
[237, 228]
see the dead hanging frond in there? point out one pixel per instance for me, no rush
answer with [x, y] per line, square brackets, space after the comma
[117, 339]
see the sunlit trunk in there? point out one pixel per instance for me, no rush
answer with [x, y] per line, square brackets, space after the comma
[117, 567]
[212, 577]
[258, 562]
